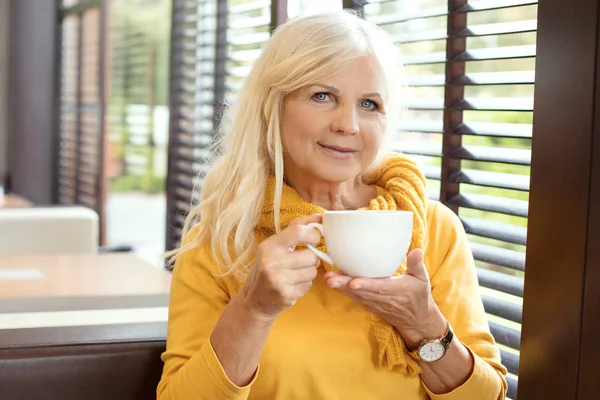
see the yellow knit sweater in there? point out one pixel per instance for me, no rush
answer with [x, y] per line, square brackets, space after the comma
[324, 348]
[400, 186]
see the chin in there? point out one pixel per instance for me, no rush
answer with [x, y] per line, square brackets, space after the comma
[336, 174]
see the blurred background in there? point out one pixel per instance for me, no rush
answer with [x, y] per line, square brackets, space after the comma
[111, 105]
[105, 65]
[108, 108]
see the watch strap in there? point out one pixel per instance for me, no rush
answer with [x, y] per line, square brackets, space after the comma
[446, 338]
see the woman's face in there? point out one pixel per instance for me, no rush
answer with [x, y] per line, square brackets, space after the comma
[332, 131]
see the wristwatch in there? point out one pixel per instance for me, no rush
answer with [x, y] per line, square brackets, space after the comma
[431, 350]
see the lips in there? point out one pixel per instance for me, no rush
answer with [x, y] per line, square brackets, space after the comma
[338, 148]
[338, 151]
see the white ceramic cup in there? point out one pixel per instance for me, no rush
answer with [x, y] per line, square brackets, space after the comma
[364, 243]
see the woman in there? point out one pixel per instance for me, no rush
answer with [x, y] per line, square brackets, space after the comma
[252, 313]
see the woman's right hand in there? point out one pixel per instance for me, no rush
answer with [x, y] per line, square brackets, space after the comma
[280, 275]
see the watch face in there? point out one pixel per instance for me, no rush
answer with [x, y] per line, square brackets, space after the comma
[432, 351]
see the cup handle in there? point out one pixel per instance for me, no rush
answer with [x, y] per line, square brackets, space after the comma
[322, 255]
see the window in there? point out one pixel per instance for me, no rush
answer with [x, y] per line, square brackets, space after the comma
[138, 40]
[214, 45]
[248, 30]
[194, 93]
[81, 122]
[470, 77]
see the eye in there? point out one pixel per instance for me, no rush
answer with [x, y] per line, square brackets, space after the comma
[369, 104]
[321, 96]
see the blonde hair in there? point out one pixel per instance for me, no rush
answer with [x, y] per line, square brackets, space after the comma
[249, 148]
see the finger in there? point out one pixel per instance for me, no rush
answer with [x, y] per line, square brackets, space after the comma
[330, 274]
[338, 281]
[415, 266]
[296, 234]
[302, 288]
[293, 277]
[300, 259]
[375, 285]
[302, 275]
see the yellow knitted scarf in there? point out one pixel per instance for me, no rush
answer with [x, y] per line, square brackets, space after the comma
[401, 186]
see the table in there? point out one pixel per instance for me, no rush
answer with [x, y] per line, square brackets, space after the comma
[14, 201]
[81, 289]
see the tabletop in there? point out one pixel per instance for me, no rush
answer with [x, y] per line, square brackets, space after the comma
[81, 289]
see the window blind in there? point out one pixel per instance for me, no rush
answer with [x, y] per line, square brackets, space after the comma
[195, 28]
[80, 125]
[470, 75]
[214, 43]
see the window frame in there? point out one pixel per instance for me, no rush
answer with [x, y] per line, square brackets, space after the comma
[572, 354]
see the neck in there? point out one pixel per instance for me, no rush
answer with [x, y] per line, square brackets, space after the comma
[348, 195]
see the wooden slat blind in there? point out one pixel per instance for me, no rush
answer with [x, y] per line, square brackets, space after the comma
[249, 26]
[193, 82]
[213, 45]
[81, 125]
[470, 77]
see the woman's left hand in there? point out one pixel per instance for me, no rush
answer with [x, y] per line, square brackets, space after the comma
[404, 301]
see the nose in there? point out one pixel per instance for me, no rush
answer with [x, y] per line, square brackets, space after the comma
[345, 120]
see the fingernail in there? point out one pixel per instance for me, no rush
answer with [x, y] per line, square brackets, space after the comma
[356, 287]
[335, 285]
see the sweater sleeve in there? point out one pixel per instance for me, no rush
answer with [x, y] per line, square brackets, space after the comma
[455, 289]
[191, 367]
